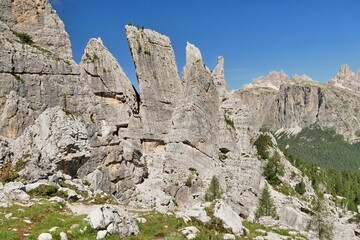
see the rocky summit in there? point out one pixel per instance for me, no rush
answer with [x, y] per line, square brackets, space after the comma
[80, 140]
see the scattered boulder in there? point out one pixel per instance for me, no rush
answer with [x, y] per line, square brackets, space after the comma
[196, 211]
[63, 236]
[114, 219]
[229, 236]
[189, 232]
[13, 191]
[231, 220]
[101, 234]
[45, 236]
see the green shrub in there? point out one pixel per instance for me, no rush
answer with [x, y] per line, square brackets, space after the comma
[24, 37]
[286, 189]
[8, 173]
[188, 181]
[262, 143]
[300, 188]
[229, 121]
[214, 191]
[44, 190]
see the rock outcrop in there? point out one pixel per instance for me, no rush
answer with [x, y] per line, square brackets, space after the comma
[56, 141]
[158, 79]
[346, 79]
[195, 119]
[41, 22]
[107, 80]
[273, 80]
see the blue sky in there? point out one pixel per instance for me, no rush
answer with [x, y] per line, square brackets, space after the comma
[313, 37]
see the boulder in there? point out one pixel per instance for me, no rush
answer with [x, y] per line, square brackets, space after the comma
[189, 232]
[45, 236]
[231, 220]
[229, 236]
[13, 191]
[196, 211]
[114, 219]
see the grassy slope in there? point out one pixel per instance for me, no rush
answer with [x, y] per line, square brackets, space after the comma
[44, 215]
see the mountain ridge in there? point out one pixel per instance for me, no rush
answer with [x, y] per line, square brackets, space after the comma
[159, 148]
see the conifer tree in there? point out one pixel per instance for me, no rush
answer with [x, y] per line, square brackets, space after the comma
[214, 191]
[300, 188]
[266, 206]
[319, 222]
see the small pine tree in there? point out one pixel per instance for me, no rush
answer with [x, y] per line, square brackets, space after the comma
[300, 187]
[273, 169]
[266, 206]
[319, 222]
[214, 191]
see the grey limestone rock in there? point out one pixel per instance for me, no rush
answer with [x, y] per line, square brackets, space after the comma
[114, 219]
[45, 236]
[158, 79]
[40, 21]
[219, 78]
[273, 80]
[13, 191]
[195, 119]
[230, 218]
[6, 153]
[107, 80]
[60, 140]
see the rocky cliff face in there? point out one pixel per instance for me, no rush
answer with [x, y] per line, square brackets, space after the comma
[39, 20]
[159, 147]
[300, 102]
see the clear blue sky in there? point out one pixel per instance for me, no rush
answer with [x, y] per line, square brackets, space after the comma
[313, 37]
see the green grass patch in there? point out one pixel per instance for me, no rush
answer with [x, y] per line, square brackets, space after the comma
[43, 216]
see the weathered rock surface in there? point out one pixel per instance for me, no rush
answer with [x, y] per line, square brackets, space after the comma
[158, 79]
[299, 103]
[114, 219]
[219, 78]
[159, 149]
[231, 220]
[40, 21]
[195, 119]
[56, 141]
[13, 191]
[45, 236]
[107, 80]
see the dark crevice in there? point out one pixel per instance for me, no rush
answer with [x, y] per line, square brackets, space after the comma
[98, 76]
[12, 72]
